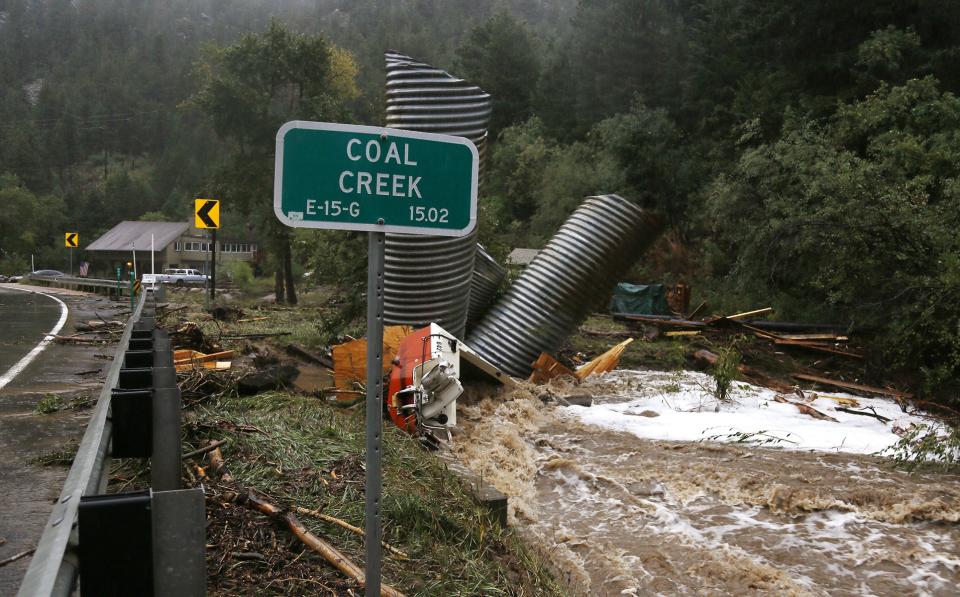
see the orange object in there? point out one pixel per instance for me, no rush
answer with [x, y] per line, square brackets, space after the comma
[411, 352]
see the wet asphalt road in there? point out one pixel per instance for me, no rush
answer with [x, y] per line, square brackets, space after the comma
[27, 488]
[24, 319]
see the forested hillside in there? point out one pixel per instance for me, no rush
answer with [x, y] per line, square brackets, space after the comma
[805, 155]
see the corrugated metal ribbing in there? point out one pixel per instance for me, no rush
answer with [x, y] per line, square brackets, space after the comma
[595, 246]
[428, 278]
[488, 275]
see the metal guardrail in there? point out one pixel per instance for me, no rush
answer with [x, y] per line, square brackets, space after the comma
[136, 414]
[69, 281]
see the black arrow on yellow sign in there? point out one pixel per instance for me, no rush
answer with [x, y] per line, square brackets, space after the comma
[71, 240]
[207, 212]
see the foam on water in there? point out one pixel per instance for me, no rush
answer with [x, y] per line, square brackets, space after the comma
[619, 513]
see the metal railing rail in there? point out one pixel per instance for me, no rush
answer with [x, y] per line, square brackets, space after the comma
[68, 281]
[55, 564]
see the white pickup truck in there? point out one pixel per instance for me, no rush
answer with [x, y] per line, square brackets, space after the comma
[179, 277]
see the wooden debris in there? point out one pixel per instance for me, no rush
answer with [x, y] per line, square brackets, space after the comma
[325, 549]
[219, 466]
[818, 347]
[660, 320]
[681, 333]
[260, 335]
[804, 408]
[852, 386]
[696, 311]
[843, 401]
[346, 525]
[763, 311]
[184, 360]
[350, 358]
[213, 446]
[828, 337]
[252, 319]
[608, 361]
[871, 413]
[310, 357]
[16, 557]
[546, 368]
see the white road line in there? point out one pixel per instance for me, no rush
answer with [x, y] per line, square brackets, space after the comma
[26, 360]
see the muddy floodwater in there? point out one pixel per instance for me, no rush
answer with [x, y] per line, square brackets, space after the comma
[617, 514]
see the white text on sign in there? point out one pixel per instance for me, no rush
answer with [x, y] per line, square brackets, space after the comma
[382, 184]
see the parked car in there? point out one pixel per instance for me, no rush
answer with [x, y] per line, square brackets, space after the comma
[179, 277]
[3, 279]
[49, 273]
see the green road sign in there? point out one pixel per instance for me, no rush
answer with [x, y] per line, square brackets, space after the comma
[352, 177]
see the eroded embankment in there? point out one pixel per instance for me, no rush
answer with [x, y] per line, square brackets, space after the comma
[617, 514]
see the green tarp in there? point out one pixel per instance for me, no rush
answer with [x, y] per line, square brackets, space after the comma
[640, 299]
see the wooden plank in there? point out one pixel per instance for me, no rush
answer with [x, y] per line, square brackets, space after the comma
[546, 368]
[818, 348]
[608, 361]
[852, 386]
[199, 357]
[762, 311]
[832, 337]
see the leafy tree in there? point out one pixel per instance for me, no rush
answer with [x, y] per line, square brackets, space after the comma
[856, 219]
[248, 90]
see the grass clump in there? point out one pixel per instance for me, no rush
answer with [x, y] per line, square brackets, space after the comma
[302, 452]
[49, 404]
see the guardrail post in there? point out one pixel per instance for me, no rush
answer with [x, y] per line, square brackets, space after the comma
[165, 463]
[116, 544]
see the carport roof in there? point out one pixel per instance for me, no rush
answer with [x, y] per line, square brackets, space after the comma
[125, 235]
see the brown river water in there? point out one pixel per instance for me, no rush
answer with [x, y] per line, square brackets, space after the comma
[618, 515]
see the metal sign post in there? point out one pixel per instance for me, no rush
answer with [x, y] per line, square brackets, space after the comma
[373, 487]
[206, 216]
[71, 240]
[377, 180]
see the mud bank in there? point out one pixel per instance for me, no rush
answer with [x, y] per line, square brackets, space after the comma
[618, 514]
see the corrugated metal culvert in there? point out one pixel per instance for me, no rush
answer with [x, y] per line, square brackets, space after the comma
[553, 295]
[428, 278]
[488, 275]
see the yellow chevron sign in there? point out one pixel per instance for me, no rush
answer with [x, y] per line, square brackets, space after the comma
[71, 240]
[206, 213]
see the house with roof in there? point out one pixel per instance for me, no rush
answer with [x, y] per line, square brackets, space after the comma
[175, 245]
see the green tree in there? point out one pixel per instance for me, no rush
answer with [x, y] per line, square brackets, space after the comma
[501, 57]
[248, 90]
[855, 219]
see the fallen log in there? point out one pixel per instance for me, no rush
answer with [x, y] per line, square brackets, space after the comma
[805, 408]
[818, 347]
[346, 525]
[326, 550]
[873, 414]
[852, 386]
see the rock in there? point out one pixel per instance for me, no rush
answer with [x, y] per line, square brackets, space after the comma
[580, 400]
[271, 378]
